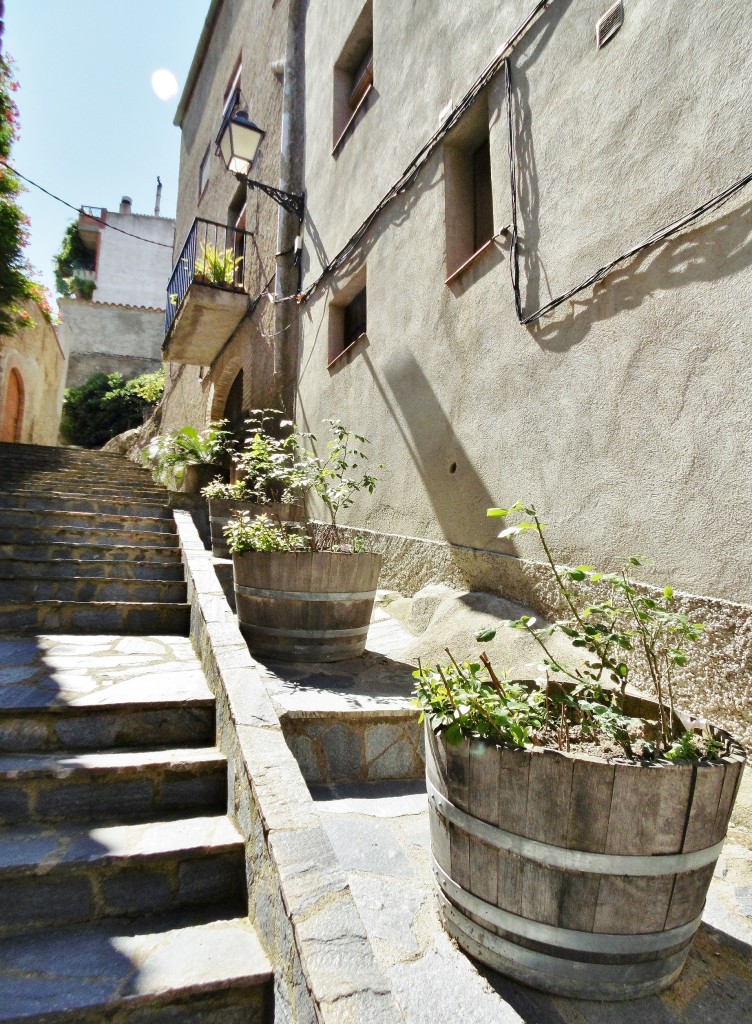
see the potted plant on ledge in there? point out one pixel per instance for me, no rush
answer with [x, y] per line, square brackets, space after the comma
[263, 482]
[575, 825]
[302, 593]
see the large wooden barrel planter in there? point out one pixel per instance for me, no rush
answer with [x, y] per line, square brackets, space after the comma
[221, 509]
[572, 875]
[305, 605]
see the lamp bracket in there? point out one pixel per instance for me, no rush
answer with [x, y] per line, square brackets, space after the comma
[290, 201]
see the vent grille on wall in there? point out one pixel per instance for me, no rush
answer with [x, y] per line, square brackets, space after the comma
[609, 24]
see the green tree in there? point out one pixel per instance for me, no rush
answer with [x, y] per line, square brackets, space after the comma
[104, 406]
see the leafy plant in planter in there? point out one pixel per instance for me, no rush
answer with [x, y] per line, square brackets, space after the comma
[265, 464]
[575, 825]
[306, 595]
[171, 456]
[216, 265]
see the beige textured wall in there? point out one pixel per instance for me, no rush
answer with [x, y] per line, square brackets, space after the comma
[625, 414]
[37, 355]
[108, 339]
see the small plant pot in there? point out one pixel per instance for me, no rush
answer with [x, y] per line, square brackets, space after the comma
[196, 477]
[305, 605]
[221, 510]
[571, 874]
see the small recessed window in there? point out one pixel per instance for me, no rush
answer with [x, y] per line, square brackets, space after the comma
[468, 190]
[203, 172]
[354, 319]
[348, 316]
[353, 76]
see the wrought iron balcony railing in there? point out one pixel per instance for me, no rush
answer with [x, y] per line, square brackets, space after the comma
[214, 255]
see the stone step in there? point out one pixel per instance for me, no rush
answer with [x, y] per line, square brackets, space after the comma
[173, 970]
[59, 521]
[69, 874]
[42, 550]
[77, 485]
[93, 536]
[111, 786]
[87, 590]
[60, 501]
[74, 693]
[137, 617]
[92, 568]
[83, 476]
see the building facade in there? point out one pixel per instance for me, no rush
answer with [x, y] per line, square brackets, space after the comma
[120, 327]
[468, 169]
[33, 366]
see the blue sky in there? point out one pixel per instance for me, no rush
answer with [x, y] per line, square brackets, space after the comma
[92, 129]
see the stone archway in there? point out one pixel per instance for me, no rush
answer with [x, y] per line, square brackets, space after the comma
[13, 408]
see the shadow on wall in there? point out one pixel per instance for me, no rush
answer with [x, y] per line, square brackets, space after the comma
[454, 488]
[713, 250]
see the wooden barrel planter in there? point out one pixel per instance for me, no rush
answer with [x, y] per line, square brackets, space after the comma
[572, 875]
[305, 605]
[221, 509]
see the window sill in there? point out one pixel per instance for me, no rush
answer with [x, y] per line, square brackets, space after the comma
[348, 126]
[475, 256]
[347, 351]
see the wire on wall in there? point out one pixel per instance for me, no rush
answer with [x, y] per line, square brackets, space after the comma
[661, 235]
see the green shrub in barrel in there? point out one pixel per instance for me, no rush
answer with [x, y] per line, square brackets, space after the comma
[306, 594]
[575, 824]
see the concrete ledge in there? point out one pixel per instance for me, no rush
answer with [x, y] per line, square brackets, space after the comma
[299, 900]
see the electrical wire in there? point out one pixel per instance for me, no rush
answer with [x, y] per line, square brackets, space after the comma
[77, 209]
[412, 170]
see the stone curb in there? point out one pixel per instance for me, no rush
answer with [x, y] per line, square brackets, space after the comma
[299, 900]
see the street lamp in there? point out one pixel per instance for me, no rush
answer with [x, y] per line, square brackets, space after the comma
[238, 140]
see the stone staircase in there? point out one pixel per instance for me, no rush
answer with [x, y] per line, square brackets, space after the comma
[86, 542]
[122, 880]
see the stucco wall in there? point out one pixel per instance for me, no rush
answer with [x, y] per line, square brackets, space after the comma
[109, 339]
[624, 415]
[130, 271]
[40, 360]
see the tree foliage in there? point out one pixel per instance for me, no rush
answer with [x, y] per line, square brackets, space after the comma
[16, 283]
[107, 405]
[70, 258]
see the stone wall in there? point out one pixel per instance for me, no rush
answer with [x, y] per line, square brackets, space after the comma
[110, 338]
[37, 356]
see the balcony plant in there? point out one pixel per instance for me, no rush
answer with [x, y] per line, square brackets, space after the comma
[303, 592]
[575, 823]
[215, 265]
[187, 459]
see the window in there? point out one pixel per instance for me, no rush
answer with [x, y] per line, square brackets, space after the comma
[348, 316]
[353, 76]
[231, 96]
[354, 317]
[235, 235]
[468, 191]
[203, 172]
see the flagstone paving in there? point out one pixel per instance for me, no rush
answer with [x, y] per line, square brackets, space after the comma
[379, 832]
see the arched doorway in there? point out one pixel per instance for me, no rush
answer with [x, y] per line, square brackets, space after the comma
[233, 413]
[13, 408]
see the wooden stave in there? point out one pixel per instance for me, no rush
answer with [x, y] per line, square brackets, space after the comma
[287, 628]
[461, 855]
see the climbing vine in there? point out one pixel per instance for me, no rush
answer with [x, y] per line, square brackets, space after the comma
[16, 282]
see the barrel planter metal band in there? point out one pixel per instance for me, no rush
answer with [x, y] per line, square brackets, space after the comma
[572, 874]
[308, 605]
[573, 860]
[564, 938]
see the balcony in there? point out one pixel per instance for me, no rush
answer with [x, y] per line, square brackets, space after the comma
[207, 296]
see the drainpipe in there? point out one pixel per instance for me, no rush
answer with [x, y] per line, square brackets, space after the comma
[288, 226]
